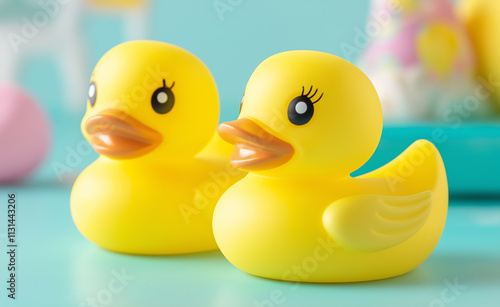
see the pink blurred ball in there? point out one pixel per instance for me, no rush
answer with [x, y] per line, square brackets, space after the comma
[24, 134]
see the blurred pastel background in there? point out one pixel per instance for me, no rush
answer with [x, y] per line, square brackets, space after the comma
[420, 59]
[232, 38]
[435, 70]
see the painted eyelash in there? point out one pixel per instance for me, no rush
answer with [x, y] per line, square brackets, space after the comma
[310, 90]
[171, 86]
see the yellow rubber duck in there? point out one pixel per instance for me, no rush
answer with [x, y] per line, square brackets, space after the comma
[309, 119]
[152, 113]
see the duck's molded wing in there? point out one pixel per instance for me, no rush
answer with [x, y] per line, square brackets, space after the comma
[368, 223]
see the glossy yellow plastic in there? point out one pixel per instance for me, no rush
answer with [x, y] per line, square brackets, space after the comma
[481, 18]
[154, 187]
[304, 218]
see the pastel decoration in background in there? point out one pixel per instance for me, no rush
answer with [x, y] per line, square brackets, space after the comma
[24, 134]
[482, 20]
[134, 12]
[308, 120]
[422, 62]
[119, 3]
[151, 114]
[35, 28]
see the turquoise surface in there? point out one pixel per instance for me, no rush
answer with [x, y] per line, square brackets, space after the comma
[57, 266]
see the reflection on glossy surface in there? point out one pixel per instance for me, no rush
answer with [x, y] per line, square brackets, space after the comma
[58, 265]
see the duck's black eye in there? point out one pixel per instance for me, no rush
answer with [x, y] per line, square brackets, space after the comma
[241, 103]
[92, 93]
[163, 99]
[300, 110]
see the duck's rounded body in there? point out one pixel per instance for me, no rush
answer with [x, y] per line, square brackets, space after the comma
[151, 114]
[309, 119]
[273, 227]
[139, 208]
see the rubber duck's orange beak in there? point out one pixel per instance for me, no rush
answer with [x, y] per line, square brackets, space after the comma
[118, 135]
[254, 148]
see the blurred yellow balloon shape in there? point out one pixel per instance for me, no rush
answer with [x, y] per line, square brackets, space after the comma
[482, 19]
[437, 47]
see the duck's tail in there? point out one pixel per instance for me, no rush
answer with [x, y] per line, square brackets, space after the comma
[419, 168]
[216, 150]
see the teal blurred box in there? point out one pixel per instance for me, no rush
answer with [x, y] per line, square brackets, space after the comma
[470, 153]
